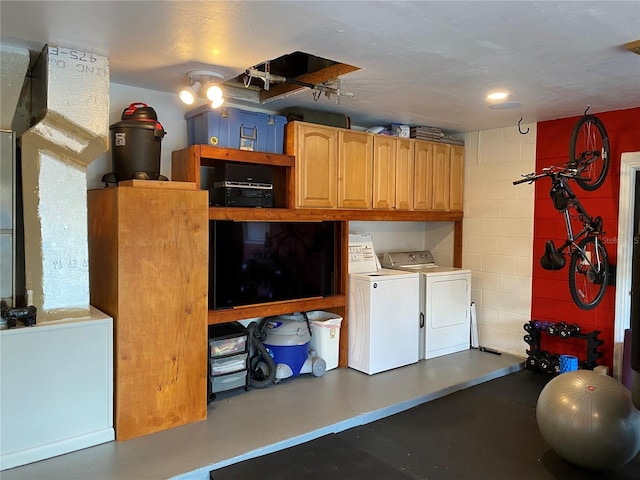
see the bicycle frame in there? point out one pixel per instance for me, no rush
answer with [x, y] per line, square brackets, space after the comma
[592, 226]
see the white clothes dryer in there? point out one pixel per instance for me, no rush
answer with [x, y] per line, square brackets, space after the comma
[445, 302]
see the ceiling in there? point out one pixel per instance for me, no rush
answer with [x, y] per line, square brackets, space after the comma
[421, 62]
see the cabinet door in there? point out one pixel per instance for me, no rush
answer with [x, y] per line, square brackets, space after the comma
[404, 173]
[441, 176]
[456, 161]
[423, 164]
[384, 172]
[354, 169]
[316, 151]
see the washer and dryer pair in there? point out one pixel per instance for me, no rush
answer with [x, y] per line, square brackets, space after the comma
[445, 302]
[404, 308]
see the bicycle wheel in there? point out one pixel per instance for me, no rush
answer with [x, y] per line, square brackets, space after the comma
[588, 273]
[589, 152]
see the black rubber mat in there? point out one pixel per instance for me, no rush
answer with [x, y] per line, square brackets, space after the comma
[484, 432]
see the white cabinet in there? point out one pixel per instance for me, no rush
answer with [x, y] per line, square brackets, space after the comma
[56, 388]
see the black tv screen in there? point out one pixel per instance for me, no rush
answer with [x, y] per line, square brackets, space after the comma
[258, 262]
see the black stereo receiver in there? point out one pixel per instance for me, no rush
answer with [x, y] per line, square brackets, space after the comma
[243, 174]
[241, 197]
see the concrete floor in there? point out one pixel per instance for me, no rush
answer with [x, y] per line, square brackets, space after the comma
[243, 425]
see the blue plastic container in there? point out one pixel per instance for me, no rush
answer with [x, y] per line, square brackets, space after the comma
[235, 128]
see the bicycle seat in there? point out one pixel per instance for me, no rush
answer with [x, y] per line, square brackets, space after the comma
[552, 259]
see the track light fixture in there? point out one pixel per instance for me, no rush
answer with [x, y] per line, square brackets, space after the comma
[205, 81]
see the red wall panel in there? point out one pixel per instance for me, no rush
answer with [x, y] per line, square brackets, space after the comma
[551, 300]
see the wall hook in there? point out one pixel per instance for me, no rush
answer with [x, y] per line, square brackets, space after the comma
[586, 109]
[520, 129]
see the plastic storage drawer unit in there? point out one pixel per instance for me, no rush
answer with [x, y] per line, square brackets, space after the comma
[224, 365]
[227, 339]
[223, 383]
[236, 128]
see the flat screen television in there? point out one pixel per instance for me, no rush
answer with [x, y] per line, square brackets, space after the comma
[258, 262]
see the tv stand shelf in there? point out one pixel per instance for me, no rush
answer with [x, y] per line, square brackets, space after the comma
[276, 308]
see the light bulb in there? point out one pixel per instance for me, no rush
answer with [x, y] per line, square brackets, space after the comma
[499, 95]
[214, 92]
[188, 94]
[217, 102]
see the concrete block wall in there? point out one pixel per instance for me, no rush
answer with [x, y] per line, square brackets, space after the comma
[439, 239]
[498, 233]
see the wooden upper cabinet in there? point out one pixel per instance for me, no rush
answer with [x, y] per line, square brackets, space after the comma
[316, 150]
[456, 160]
[384, 172]
[355, 150]
[404, 173]
[423, 164]
[349, 169]
[441, 176]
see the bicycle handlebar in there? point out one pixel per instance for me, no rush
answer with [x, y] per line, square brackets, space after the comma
[530, 178]
[549, 172]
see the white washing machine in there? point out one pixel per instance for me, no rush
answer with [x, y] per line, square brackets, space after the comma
[445, 302]
[384, 311]
[384, 321]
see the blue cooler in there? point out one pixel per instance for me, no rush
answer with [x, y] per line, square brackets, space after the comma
[235, 128]
[288, 340]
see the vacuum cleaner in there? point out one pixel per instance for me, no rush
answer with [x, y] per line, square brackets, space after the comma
[282, 343]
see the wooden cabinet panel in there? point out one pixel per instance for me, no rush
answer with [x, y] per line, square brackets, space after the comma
[441, 175]
[404, 174]
[148, 250]
[384, 172]
[423, 164]
[346, 169]
[315, 148]
[456, 160]
[354, 169]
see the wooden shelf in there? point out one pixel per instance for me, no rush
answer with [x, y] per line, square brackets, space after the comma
[276, 308]
[209, 153]
[318, 214]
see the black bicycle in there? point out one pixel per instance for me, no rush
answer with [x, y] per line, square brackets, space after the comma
[588, 166]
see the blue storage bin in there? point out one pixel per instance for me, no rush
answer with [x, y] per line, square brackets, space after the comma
[235, 128]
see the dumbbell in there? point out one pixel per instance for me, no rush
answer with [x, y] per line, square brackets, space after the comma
[553, 329]
[531, 361]
[529, 339]
[549, 363]
[569, 331]
[540, 325]
[562, 326]
[528, 327]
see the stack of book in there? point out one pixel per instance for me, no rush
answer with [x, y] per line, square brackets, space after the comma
[452, 140]
[433, 134]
